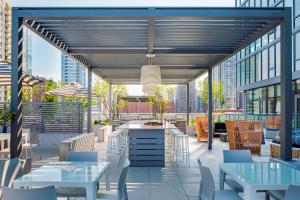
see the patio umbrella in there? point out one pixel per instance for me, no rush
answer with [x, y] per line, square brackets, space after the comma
[71, 90]
[27, 79]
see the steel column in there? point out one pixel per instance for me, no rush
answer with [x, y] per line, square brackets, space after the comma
[210, 109]
[110, 103]
[187, 103]
[286, 87]
[89, 101]
[16, 85]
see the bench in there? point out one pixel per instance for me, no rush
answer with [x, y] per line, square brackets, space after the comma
[80, 143]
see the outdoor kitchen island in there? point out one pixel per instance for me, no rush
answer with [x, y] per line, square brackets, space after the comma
[146, 144]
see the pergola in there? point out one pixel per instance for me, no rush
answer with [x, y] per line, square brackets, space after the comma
[112, 42]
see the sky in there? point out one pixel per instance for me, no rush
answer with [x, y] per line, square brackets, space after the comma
[46, 58]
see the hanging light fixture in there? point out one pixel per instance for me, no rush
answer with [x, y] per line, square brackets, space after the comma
[150, 76]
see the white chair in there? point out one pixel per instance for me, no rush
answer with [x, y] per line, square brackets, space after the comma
[122, 188]
[47, 193]
[208, 192]
[31, 141]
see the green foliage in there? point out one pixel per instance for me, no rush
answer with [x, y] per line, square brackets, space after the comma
[192, 122]
[50, 85]
[217, 93]
[161, 100]
[5, 116]
[102, 89]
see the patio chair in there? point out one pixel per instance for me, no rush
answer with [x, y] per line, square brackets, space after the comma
[31, 142]
[77, 191]
[9, 170]
[46, 193]
[280, 194]
[83, 156]
[292, 193]
[122, 188]
[230, 128]
[208, 188]
[236, 156]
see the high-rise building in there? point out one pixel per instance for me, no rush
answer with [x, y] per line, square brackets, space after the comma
[181, 98]
[225, 74]
[258, 65]
[5, 31]
[27, 51]
[71, 71]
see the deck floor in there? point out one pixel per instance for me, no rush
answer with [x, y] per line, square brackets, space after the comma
[173, 182]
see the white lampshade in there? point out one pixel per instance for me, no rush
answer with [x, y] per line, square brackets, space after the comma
[150, 75]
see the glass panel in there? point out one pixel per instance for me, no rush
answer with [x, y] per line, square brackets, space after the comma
[271, 37]
[247, 74]
[243, 73]
[297, 65]
[297, 45]
[264, 3]
[264, 40]
[265, 64]
[257, 3]
[297, 7]
[258, 67]
[238, 74]
[271, 62]
[278, 59]
[252, 47]
[252, 69]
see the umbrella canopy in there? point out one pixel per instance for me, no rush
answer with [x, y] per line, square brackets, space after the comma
[27, 79]
[71, 90]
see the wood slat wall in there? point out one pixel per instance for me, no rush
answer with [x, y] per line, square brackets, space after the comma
[52, 117]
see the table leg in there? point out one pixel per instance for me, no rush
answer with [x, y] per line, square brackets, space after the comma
[107, 178]
[249, 193]
[222, 179]
[91, 191]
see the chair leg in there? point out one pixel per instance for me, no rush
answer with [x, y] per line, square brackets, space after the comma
[267, 196]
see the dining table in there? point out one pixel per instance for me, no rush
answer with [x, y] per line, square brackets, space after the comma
[259, 176]
[68, 174]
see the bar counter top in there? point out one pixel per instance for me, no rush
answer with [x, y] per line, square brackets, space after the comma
[142, 126]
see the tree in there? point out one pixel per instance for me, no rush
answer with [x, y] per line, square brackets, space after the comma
[161, 101]
[50, 85]
[102, 89]
[217, 94]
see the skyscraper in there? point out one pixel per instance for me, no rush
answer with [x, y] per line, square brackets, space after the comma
[181, 98]
[27, 51]
[71, 71]
[225, 73]
[5, 31]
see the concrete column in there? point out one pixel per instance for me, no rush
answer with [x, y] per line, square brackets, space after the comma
[89, 101]
[286, 87]
[16, 86]
[210, 106]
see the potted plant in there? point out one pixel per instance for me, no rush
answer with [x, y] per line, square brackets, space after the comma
[5, 118]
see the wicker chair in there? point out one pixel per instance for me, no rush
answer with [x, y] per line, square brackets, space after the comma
[230, 128]
[202, 129]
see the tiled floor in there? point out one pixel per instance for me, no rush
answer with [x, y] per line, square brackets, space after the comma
[172, 182]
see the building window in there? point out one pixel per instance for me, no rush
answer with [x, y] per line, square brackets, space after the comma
[265, 64]
[238, 74]
[278, 59]
[297, 46]
[247, 74]
[297, 8]
[252, 69]
[243, 73]
[272, 62]
[258, 66]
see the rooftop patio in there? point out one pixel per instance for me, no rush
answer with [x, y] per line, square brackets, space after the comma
[112, 43]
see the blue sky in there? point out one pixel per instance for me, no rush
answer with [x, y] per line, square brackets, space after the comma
[46, 58]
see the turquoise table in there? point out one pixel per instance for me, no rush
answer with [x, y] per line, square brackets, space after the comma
[259, 176]
[68, 174]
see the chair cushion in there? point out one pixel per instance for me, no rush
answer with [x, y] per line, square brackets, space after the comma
[277, 194]
[234, 185]
[272, 129]
[296, 141]
[227, 195]
[276, 140]
[70, 192]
